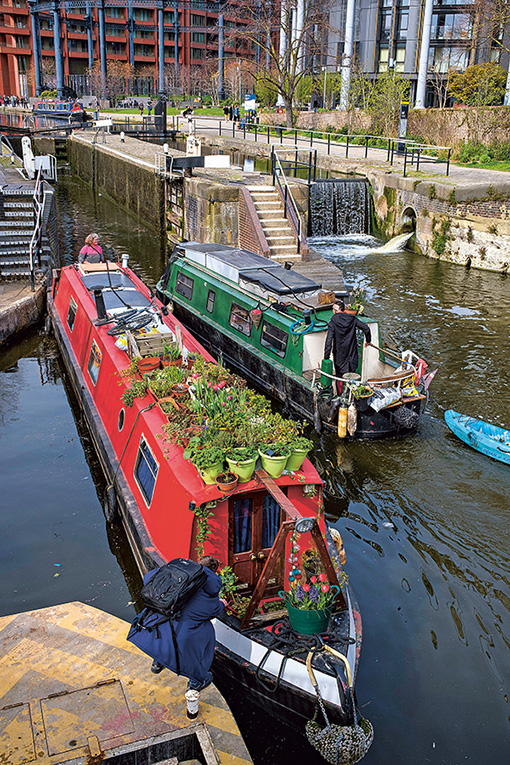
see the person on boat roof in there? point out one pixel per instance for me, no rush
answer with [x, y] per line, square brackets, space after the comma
[193, 630]
[342, 338]
[91, 252]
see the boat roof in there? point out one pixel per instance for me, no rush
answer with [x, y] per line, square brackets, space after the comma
[238, 265]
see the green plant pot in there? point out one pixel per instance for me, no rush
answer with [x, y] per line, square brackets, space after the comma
[309, 622]
[209, 474]
[274, 466]
[296, 459]
[244, 469]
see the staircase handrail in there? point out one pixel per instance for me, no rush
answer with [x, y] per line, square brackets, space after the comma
[290, 210]
[35, 241]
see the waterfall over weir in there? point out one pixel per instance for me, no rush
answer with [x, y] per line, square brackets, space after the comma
[339, 206]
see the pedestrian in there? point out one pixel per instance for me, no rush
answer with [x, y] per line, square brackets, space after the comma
[141, 107]
[91, 252]
[231, 112]
[237, 113]
[225, 111]
[194, 633]
[341, 337]
[149, 106]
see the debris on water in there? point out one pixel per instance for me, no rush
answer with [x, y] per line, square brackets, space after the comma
[388, 525]
[57, 574]
[57, 564]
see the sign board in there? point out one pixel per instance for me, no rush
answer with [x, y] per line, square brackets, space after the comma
[249, 102]
[402, 125]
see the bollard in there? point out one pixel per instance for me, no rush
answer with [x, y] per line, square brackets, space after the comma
[165, 148]
[192, 698]
[122, 136]
[125, 259]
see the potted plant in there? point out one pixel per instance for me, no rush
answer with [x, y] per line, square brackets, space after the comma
[274, 458]
[299, 448]
[226, 481]
[241, 461]
[309, 605]
[206, 457]
[137, 389]
[171, 355]
[356, 302]
[362, 394]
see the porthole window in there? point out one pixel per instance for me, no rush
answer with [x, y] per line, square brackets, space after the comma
[122, 419]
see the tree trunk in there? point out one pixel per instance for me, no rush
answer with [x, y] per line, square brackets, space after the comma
[288, 114]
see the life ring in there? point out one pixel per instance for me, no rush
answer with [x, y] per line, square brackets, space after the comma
[337, 539]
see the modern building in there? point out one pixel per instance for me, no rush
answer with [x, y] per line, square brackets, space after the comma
[63, 40]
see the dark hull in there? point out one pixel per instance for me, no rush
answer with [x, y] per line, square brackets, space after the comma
[274, 380]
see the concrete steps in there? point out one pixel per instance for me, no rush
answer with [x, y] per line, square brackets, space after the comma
[16, 229]
[276, 227]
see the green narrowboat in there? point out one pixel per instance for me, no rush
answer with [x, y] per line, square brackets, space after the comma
[269, 324]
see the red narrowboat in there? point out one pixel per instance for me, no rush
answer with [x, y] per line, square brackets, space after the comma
[261, 531]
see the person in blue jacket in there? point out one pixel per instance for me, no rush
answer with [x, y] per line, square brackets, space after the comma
[193, 630]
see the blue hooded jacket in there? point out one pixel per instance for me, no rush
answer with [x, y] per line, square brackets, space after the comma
[194, 632]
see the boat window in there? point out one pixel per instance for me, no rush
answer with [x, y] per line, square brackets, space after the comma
[211, 296]
[71, 314]
[122, 419]
[243, 510]
[240, 319]
[271, 514]
[94, 362]
[146, 470]
[273, 338]
[184, 285]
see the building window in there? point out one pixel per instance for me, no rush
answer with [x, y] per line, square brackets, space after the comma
[211, 296]
[197, 53]
[383, 60]
[402, 25]
[146, 470]
[197, 21]
[184, 285]
[441, 59]
[169, 17]
[386, 21]
[94, 362]
[143, 15]
[274, 338]
[197, 37]
[240, 319]
[71, 314]
[113, 13]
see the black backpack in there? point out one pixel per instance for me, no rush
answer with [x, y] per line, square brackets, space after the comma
[172, 586]
[167, 592]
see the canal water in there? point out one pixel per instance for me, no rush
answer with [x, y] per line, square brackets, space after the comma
[424, 520]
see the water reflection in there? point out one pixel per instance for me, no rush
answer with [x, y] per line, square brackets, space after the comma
[425, 520]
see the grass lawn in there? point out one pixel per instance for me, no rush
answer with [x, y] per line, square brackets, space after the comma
[209, 112]
[492, 165]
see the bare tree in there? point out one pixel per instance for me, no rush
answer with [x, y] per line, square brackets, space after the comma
[290, 38]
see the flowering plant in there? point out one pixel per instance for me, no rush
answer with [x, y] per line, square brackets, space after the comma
[357, 299]
[315, 594]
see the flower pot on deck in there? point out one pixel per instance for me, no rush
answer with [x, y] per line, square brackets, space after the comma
[209, 474]
[148, 364]
[274, 466]
[226, 481]
[242, 468]
[296, 459]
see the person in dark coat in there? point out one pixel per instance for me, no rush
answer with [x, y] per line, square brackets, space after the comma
[341, 338]
[193, 631]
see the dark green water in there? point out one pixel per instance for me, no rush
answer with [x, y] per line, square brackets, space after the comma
[424, 521]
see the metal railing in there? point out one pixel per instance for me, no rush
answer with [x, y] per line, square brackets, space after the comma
[290, 210]
[411, 151]
[35, 242]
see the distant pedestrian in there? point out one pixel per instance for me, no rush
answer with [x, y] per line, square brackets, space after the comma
[231, 112]
[237, 113]
[141, 107]
[226, 111]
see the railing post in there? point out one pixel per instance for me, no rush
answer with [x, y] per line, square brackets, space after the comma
[244, 131]
[219, 127]
[299, 236]
[315, 165]
[309, 167]
[329, 143]
[255, 132]
[295, 136]
[418, 160]
[281, 136]
[448, 162]
[233, 129]
[268, 134]
[285, 201]
[311, 138]
[388, 152]
[366, 147]
[273, 165]
[405, 159]
[392, 150]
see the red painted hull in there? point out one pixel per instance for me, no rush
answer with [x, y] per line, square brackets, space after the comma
[164, 528]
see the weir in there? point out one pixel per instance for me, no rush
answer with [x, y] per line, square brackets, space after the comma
[340, 206]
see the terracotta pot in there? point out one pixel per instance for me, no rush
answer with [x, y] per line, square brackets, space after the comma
[148, 364]
[174, 363]
[351, 311]
[226, 481]
[180, 389]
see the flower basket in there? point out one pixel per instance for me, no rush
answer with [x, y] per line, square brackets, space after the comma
[274, 466]
[171, 363]
[208, 475]
[226, 481]
[296, 459]
[167, 406]
[242, 468]
[180, 389]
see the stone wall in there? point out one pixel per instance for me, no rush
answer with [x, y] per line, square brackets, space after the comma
[211, 211]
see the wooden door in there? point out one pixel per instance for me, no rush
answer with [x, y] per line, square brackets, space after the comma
[254, 523]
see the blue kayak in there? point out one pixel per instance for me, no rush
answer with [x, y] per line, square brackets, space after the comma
[485, 438]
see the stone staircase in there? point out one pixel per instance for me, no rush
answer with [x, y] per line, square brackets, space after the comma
[16, 229]
[276, 227]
